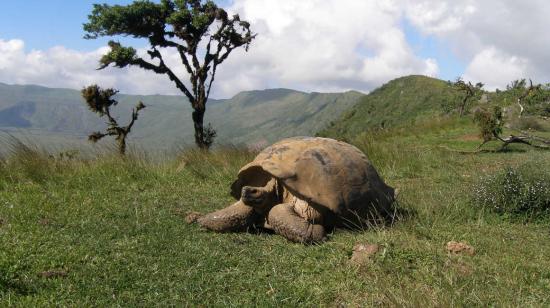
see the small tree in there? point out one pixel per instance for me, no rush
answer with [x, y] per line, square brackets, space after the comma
[100, 101]
[181, 25]
[491, 121]
[469, 90]
[524, 93]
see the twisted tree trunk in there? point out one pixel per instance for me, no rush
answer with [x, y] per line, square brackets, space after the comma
[198, 122]
[122, 144]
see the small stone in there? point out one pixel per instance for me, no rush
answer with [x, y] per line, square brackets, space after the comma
[45, 222]
[192, 217]
[363, 253]
[456, 248]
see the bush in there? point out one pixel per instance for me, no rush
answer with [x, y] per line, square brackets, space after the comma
[489, 121]
[529, 123]
[521, 192]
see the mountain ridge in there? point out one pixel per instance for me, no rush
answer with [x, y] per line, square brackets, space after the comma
[249, 117]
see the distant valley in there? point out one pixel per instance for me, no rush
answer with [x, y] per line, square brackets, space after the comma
[59, 117]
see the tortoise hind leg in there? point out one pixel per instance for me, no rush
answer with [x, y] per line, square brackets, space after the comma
[286, 222]
[236, 217]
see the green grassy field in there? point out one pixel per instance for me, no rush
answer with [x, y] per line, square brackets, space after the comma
[111, 232]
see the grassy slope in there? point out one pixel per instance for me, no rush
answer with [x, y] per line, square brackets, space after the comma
[116, 228]
[404, 101]
[399, 102]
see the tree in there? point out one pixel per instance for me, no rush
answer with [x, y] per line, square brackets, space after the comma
[100, 101]
[469, 90]
[491, 121]
[524, 93]
[202, 33]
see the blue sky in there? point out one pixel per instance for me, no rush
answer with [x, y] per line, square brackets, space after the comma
[310, 45]
[429, 46]
[43, 24]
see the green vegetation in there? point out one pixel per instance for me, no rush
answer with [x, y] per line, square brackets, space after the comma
[490, 122]
[470, 93]
[100, 101]
[202, 33]
[522, 192]
[407, 100]
[400, 102]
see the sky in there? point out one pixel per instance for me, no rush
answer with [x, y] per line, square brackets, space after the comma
[307, 45]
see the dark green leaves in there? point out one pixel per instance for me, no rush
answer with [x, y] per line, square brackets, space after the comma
[98, 100]
[489, 121]
[140, 19]
[119, 55]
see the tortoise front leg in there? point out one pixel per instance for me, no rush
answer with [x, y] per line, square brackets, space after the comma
[286, 222]
[236, 217]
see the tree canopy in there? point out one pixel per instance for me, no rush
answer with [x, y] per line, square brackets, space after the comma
[470, 92]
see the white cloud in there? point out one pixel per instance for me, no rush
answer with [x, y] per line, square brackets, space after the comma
[323, 45]
[502, 40]
[495, 68]
[312, 45]
[62, 67]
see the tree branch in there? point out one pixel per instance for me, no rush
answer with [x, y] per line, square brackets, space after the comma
[163, 69]
[135, 113]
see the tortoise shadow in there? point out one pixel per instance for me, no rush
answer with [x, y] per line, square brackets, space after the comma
[377, 219]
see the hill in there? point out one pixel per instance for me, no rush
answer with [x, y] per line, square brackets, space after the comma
[398, 102]
[53, 115]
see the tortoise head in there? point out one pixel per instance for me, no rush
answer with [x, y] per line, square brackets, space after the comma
[261, 198]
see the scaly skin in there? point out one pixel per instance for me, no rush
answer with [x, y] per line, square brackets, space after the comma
[286, 222]
[236, 217]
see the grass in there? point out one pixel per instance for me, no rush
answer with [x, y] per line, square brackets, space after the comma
[111, 232]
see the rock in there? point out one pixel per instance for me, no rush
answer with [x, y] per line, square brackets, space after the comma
[456, 248]
[192, 217]
[363, 253]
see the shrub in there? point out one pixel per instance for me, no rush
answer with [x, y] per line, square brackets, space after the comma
[489, 121]
[527, 123]
[521, 192]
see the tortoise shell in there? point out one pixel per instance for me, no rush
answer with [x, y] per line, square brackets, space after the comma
[327, 172]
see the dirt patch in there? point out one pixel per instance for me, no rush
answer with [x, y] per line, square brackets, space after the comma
[45, 222]
[469, 137]
[53, 274]
[459, 248]
[363, 253]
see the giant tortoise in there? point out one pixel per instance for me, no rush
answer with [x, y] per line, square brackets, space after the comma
[303, 187]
